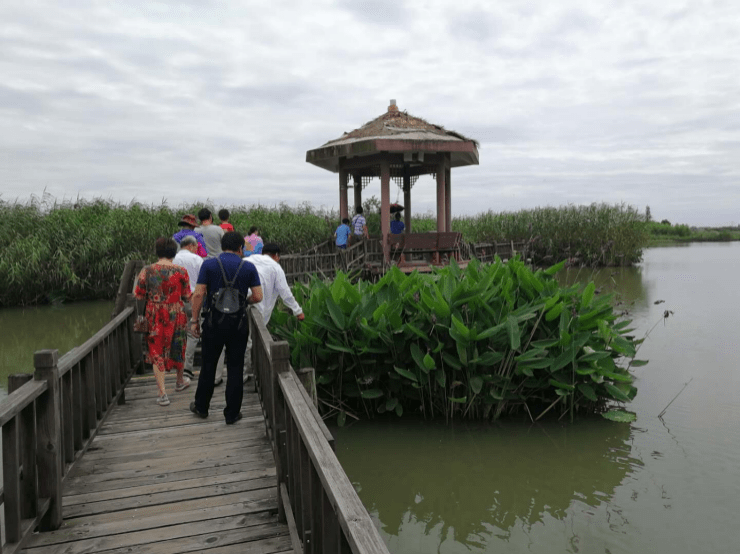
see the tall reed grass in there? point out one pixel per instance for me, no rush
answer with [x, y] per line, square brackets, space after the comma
[77, 249]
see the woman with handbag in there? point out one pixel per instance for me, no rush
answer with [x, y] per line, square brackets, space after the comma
[165, 286]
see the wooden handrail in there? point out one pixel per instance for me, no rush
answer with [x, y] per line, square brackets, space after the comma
[49, 421]
[315, 496]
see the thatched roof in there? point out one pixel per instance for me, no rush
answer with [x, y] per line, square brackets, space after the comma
[400, 125]
[395, 132]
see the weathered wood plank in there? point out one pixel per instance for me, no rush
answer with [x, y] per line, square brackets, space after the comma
[85, 528]
[263, 546]
[18, 400]
[83, 486]
[168, 487]
[214, 539]
[128, 541]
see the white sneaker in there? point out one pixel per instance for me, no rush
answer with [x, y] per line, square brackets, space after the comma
[185, 384]
[163, 400]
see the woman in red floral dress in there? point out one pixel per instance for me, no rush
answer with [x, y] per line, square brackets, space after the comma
[165, 285]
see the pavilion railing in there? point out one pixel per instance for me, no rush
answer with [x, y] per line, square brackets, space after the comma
[50, 418]
[315, 496]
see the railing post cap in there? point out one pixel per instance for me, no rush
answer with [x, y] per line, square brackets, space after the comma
[44, 358]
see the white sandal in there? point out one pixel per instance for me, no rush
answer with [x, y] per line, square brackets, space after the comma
[184, 385]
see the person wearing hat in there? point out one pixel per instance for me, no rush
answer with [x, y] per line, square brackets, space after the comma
[188, 224]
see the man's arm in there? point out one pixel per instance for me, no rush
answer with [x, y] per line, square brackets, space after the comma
[196, 303]
[287, 296]
[256, 296]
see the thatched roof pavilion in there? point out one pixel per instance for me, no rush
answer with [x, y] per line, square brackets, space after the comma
[401, 147]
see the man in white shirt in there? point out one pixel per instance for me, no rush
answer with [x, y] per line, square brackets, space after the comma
[274, 285]
[188, 259]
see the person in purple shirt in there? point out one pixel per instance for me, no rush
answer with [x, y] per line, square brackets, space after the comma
[188, 224]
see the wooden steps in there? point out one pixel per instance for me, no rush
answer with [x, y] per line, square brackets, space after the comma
[161, 480]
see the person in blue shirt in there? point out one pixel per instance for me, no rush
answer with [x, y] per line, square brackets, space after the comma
[342, 234]
[221, 330]
[397, 225]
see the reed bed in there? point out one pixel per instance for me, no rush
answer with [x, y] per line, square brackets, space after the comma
[74, 250]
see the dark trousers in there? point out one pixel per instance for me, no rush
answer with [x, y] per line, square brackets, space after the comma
[230, 332]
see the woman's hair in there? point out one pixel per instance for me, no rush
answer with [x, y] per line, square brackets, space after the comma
[253, 229]
[232, 241]
[223, 215]
[398, 216]
[359, 209]
[165, 247]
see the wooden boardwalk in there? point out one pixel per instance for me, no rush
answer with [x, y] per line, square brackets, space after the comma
[161, 480]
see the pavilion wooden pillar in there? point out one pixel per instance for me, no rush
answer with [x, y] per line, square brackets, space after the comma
[343, 209]
[448, 195]
[358, 191]
[385, 207]
[441, 194]
[407, 199]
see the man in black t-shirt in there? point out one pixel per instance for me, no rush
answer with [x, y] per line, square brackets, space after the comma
[223, 330]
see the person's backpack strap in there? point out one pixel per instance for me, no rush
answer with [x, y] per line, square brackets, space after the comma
[229, 283]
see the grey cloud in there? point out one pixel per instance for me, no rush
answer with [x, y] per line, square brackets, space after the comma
[383, 12]
[474, 25]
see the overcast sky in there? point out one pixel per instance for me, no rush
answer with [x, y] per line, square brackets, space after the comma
[571, 101]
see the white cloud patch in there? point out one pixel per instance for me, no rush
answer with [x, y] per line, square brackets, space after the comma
[572, 102]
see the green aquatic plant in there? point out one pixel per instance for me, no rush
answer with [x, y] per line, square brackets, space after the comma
[479, 342]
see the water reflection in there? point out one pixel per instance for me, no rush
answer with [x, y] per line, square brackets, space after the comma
[630, 290]
[25, 330]
[500, 475]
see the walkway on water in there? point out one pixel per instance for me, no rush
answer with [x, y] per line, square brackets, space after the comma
[161, 480]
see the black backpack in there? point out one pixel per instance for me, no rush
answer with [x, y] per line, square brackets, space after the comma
[229, 300]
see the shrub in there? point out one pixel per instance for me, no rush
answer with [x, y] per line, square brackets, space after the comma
[481, 342]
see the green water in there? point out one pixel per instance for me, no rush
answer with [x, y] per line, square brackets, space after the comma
[62, 327]
[669, 485]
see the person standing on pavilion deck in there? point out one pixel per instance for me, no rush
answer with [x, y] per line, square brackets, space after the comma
[397, 225]
[223, 330]
[359, 225]
[211, 233]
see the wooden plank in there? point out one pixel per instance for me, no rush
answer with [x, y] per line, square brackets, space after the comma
[128, 541]
[210, 540]
[257, 441]
[170, 463]
[84, 485]
[11, 480]
[156, 487]
[274, 545]
[84, 528]
[19, 399]
[167, 497]
[67, 418]
[49, 435]
[72, 357]
[354, 519]
[290, 520]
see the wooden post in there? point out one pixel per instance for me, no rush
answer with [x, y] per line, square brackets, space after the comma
[358, 190]
[407, 199]
[280, 352]
[11, 479]
[307, 376]
[343, 210]
[441, 197]
[29, 488]
[49, 436]
[448, 195]
[385, 207]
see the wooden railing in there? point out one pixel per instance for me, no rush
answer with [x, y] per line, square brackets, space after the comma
[315, 496]
[50, 418]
